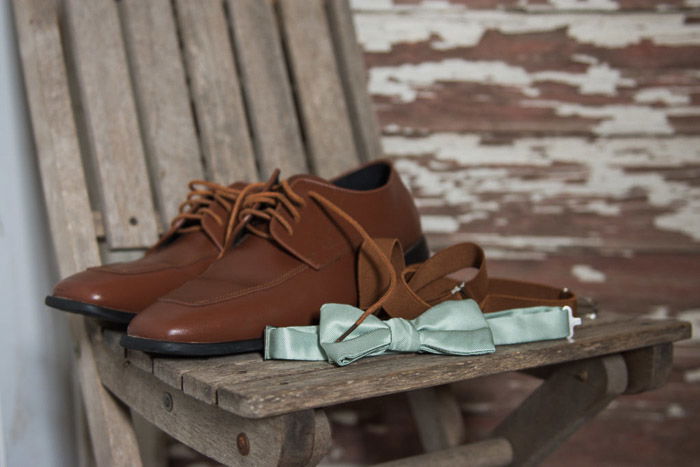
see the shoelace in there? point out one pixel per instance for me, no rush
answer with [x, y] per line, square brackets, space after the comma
[402, 291]
[199, 201]
[263, 205]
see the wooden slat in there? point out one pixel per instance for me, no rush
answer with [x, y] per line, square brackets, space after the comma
[203, 383]
[494, 452]
[351, 65]
[70, 217]
[320, 96]
[266, 87]
[223, 126]
[286, 440]
[573, 394]
[163, 100]
[111, 122]
[55, 137]
[396, 373]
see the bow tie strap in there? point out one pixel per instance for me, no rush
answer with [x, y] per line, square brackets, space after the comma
[455, 327]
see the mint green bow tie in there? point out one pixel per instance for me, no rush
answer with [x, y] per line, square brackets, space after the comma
[454, 327]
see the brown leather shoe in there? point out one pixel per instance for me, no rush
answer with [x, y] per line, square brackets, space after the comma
[197, 236]
[299, 251]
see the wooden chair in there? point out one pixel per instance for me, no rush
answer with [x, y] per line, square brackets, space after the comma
[131, 99]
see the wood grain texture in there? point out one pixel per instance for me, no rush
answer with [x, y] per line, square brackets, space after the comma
[215, 87]
[567, 399]
[285, 440]
[55, 137]
[163, 101]
[649, 368]
[353, 74]
[531, 109]
[390, 374]
[438, 418]
[111, 122]
[70, 217]
[487, 453]
[320, 97]
[267, 88]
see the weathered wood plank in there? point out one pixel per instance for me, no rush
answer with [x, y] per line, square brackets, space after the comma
[213, 432]
[266, 87]
[488, 453]
[438, 418]
[70, 217]
[320, 96]
[203, 383]
[536, 196]
[608, 7]
[390, 374]
[353, 74]
[163, 100]
[55, 136]
[111, 122]
[568, 398]
[648, 368]
[215, 87]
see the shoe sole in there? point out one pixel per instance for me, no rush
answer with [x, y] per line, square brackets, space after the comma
[88, 309]
[417, 253]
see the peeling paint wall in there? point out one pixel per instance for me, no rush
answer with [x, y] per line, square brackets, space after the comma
[547, 130]
[563, 136]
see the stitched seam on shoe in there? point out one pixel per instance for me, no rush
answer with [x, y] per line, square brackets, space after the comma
[239, 293]
[145, 270]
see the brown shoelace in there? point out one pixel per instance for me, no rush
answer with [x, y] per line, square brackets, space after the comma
[385, 282]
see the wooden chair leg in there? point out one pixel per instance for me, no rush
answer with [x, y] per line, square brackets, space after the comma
[571, 395]
[438, 417]
[152, 442]
[84, 452]
[111, 431]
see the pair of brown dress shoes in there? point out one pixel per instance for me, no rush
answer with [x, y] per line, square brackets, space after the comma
[241, 257]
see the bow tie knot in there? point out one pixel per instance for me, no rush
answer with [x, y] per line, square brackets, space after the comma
[404, 336]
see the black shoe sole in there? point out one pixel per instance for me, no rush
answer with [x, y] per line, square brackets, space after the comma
[190, 349]
[88, 309]
[415, 254]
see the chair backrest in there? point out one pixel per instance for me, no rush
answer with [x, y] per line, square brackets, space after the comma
[131, 99]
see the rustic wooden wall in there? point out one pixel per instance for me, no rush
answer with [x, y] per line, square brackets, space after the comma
[564, 136]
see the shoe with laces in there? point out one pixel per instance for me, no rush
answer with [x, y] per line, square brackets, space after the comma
[197, 236]
[295, 248]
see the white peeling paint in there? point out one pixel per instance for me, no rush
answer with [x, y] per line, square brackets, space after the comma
[661, 96]
[692, 316]
[620, 119]
[439, 224]
[657, 312]
[604, 163]
[379, 27]
[586, 273]
[585, 5]
[692, 376]
[406, 81]
[675, 410]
